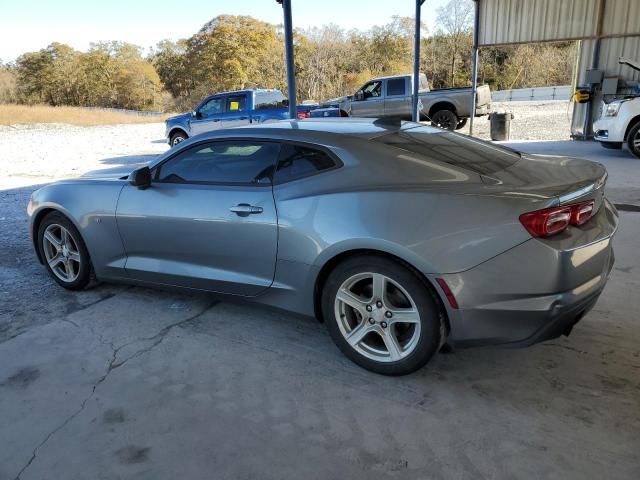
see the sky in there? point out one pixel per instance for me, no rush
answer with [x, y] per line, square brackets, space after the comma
[29, 25]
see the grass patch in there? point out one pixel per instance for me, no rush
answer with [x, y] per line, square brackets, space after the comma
[30, 114]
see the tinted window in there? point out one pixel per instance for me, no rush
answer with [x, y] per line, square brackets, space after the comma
[395, 86]
[212, 107]
[297, 161]
[460, 150]
[222, 162]
[236, 103]
[270, 99]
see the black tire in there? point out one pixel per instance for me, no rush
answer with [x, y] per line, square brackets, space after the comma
[611, 145]
[445, 119]
[84, 270]
[431, 320]
[461, 123]
[177, 138]
[633, 140]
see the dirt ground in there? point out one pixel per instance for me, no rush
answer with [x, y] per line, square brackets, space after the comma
[123, 382]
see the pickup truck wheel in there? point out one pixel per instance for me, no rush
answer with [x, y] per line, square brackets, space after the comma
[461, 124]
[177, 138]
[633, 140]
[445, 119]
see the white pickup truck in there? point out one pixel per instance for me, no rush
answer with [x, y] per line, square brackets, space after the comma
[390, 97]
[620, 120]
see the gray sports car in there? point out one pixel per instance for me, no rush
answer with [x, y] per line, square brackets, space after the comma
[399, 236]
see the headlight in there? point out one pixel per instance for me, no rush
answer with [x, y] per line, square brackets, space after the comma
[612, 109]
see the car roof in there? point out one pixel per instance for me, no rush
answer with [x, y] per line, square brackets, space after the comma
[364, 128]
[246, 90]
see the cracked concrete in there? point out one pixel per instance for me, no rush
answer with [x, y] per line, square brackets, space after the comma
[114, 363]
[121, 382]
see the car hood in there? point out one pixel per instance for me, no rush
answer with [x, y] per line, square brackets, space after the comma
[114, 173]
[179, 118]
[334, 102]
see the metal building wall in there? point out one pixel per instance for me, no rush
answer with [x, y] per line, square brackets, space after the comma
[526, 21]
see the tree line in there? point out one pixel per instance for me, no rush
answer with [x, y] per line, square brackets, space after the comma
[233, 52]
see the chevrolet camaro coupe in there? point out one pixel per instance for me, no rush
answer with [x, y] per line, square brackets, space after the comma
[398, 236]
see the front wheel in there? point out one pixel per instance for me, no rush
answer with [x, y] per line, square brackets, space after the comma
[633, 140]
[63, 251]
[445, 119]
[177, 138]
[381, 315]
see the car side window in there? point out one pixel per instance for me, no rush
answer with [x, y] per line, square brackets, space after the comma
[236, 103]
[395, 86]
[372, 89]
[224, 162]
[212, 107]
[297, 161]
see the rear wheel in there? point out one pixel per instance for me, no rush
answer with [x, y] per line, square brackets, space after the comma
[63, 251]
[461, 124]
[177, 138]
[445, 119]
[633, 140]
[381, 315]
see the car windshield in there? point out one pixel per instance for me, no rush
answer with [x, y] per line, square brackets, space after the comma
[454, 149]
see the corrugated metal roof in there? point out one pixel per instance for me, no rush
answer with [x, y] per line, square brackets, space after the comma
[525, 21]
[622, 17]
[611, 49]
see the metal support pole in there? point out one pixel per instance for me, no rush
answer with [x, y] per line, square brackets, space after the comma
[474, 77]
[288, 47]
[415, 110]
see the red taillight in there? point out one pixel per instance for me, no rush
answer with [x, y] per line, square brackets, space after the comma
[447, 292]
[581, 213]
[304, 115]
[550, 221]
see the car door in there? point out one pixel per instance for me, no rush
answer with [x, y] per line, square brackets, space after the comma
[208, 116]
[397, 102]
[370, 103]
[236, 109]
[208, 221]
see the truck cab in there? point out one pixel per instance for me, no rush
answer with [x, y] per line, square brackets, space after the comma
[231, 109]
[391, 97]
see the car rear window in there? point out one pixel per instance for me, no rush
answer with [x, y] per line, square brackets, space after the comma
[297, 161]
[459, 150]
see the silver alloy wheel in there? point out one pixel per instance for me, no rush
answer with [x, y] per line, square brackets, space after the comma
[177, 139]
[636, 140]
[61, 252]
[377, 317]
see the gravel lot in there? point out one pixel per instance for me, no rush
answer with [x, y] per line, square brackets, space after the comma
[121, 382]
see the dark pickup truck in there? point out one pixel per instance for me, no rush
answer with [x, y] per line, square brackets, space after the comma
[231, 109]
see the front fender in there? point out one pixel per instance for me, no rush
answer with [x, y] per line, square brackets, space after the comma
[91, 207]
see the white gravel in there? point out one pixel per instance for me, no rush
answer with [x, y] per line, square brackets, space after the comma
[53, 151]
[39, 153]
[533, 120]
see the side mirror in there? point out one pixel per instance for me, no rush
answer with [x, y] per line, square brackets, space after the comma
[141, 178]
[359, 96]
[196, 114]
